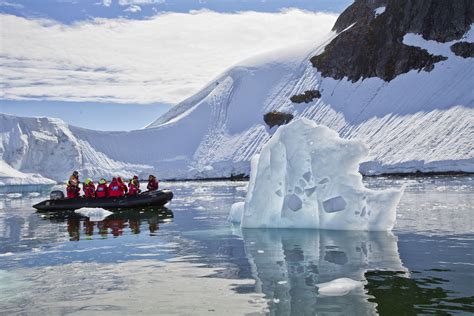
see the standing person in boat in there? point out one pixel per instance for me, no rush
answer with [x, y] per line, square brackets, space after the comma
[89, 188]
[132, 188]
[102, 189]
[72, 189]
[115, 188]
[74, 178]
[152, 183]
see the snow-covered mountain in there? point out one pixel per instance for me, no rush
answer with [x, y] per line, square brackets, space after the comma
[396, 74]
[49, 147]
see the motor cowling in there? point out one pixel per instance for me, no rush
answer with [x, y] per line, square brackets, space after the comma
[56, 195]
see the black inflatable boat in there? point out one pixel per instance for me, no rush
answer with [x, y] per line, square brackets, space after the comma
[145, 199]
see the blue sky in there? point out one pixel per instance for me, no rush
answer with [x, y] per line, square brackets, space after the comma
[93, 115]
[68, 11]
[81, 59]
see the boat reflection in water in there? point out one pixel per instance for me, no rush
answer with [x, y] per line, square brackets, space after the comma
[287, 264]
[114, 224]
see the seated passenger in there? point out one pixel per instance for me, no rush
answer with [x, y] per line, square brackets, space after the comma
[132, 188]
[115, 188]
[137, 183]
[72, 190]
[152, 183]
[89, 189]
[124, 186]
[102, 189]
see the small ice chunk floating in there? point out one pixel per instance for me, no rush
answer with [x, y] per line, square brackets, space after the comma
[338, 287]
[306, 176]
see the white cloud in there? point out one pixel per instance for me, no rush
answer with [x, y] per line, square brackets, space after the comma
[141, 2]
[164, 59]
[106, 3]
[11, 5]
[133, 8]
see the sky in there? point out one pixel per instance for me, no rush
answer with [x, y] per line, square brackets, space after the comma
[97, 63]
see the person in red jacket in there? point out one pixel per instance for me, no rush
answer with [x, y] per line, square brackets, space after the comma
[124, 186]
[152, 183]
[89, 189]
[137, 183]
[132, 188]
[72, 190]
[115, 188]
[102, 189]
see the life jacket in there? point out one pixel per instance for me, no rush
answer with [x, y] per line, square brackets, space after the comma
[115, 189]
[72, 191]
[124, 186]
[132, 189]
[102, 190]
[89, 190]
[152, 185]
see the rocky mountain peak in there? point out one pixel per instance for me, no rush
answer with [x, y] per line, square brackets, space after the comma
[370, 40]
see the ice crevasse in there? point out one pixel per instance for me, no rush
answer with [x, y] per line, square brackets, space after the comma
[306, 176]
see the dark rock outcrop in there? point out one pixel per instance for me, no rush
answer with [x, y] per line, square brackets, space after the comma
[275, 118]
[306, 97]
[463, 49]
[361, 12]
[373, 45]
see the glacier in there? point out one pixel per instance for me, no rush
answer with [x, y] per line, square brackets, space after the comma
[417, 122]
[306, 176]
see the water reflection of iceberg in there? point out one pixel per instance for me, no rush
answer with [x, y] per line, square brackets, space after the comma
[287, 264]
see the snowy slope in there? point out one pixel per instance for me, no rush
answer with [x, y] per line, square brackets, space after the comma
[419, 121]
[48, 147]
[11, 176]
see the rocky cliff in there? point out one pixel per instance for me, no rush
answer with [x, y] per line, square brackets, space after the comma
[371, 32]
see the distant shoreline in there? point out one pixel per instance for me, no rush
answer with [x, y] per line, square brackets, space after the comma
[383, 175]
[246, 178]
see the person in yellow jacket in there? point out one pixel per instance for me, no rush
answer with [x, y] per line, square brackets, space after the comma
[74, 178]
[72, 188]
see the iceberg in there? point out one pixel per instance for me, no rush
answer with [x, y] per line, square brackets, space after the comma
[306, 176]
[12, 180]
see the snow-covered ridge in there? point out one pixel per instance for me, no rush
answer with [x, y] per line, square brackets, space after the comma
[10, 176]
[48, 147]
[419, 121]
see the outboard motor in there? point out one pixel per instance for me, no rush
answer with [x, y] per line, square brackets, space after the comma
[56, 195]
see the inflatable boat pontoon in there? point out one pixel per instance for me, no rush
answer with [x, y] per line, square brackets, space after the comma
[145, 199]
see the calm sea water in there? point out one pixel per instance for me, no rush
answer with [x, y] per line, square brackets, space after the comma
[198, 263]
